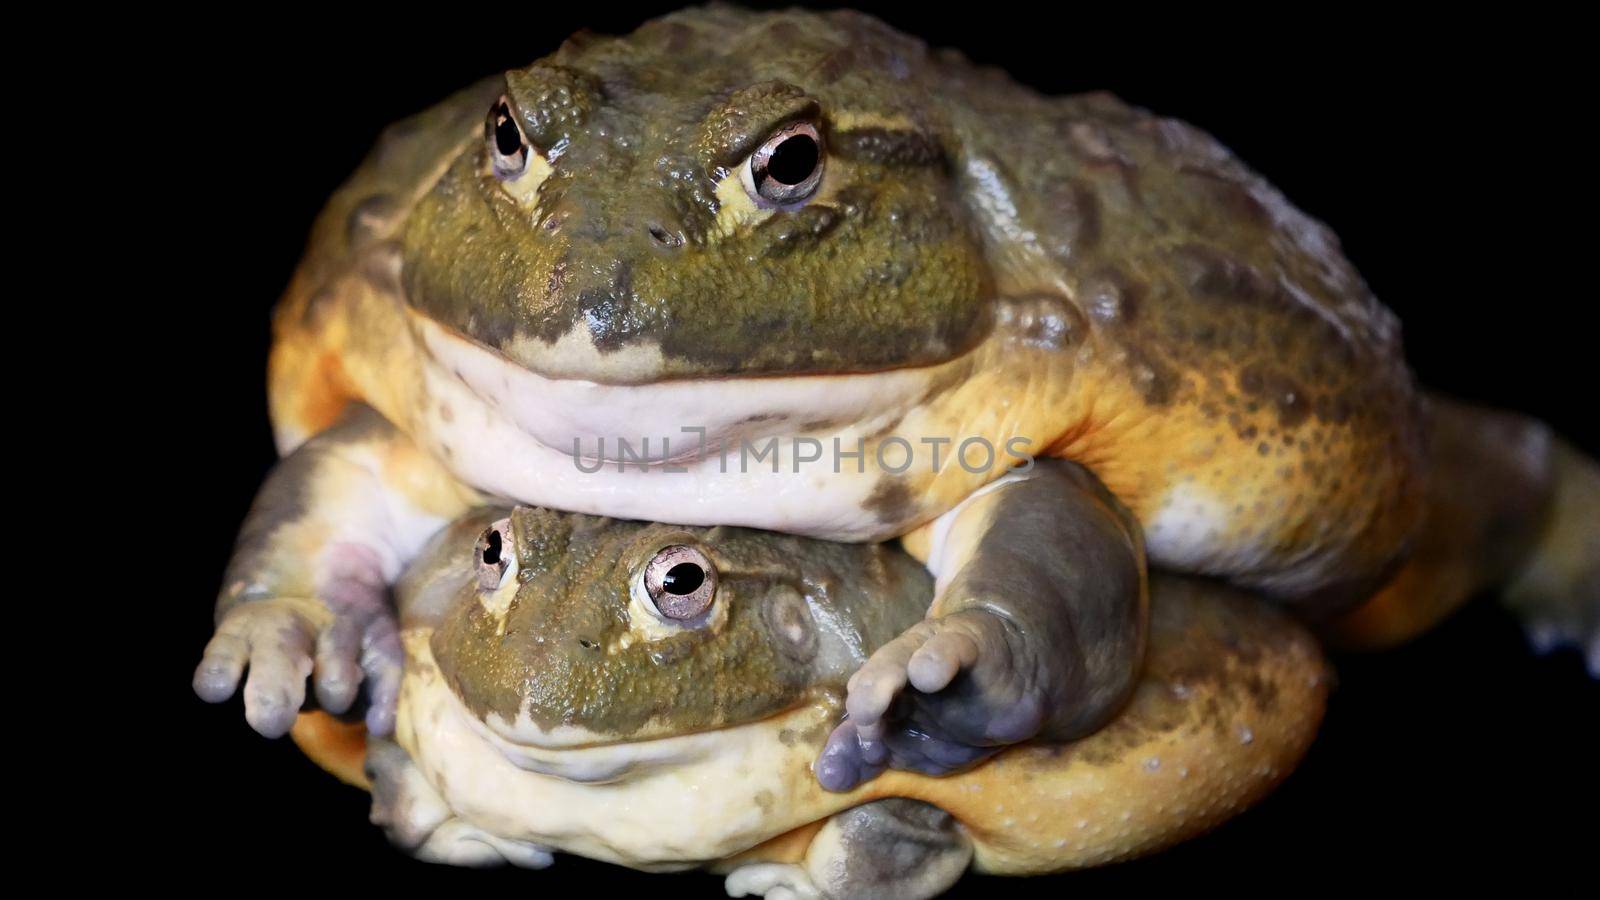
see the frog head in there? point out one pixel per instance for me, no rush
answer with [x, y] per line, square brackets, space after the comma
[716, 194]
[577, 631]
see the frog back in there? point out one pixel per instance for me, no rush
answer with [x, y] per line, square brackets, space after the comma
[1210, 353]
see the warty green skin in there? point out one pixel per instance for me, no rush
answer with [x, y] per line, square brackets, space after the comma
[886, 271]
[801, 615]
[945, 186]
[980, 260]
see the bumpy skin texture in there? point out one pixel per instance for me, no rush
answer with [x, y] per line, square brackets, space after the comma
[573, 646]
[1229, 700]
[1105, 286]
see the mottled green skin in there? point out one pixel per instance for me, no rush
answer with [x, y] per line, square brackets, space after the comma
[887, 272]
[977, 189]
[557, 659]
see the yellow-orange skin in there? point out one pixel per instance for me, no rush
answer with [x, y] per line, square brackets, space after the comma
[1230, 700]
[1195, 746]
[1204, 349]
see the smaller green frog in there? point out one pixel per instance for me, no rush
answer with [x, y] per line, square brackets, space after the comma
[659, 696]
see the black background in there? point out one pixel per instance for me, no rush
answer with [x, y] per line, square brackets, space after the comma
[1444, 153]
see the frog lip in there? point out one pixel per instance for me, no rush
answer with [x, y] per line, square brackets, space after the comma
[523, 733]
[579, 754]
[681, 418]
[574, 753]
[574, 358]
[585, 757]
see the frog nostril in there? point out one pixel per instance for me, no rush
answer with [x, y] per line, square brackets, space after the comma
[664, 237]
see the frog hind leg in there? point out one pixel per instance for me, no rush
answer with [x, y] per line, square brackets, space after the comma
[1510, 508]
[897, 849]
[418, 822]
[1228, 702]
[1556, 591]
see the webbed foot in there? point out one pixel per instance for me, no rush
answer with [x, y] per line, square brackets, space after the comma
[894, 849]
[937, 699]
[282, 641]
[1556, 593]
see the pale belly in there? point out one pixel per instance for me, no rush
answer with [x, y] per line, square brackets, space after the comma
[658, 804]
[771, 453]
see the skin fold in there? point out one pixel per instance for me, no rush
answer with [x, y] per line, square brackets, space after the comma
[1172, 368]
[530, 742]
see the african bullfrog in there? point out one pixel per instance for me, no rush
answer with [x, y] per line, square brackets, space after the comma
[653, 695]
[797, 271]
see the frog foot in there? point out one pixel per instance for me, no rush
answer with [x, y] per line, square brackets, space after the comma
[1552, 625]
[944, 695]
[1556, 594]
[282, 641]
[894, 849]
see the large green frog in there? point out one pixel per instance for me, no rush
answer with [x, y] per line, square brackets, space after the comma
[654, 695]
[797, 271]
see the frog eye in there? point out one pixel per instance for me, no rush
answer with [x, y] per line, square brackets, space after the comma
[492, 555]
[786, 169]
[680, 582]
[509, 150]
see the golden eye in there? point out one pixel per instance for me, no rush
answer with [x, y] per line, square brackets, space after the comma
[680, 582]
[787, 168]
[493, 554]
[509, 150]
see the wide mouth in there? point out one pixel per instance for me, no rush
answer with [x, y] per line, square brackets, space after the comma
[577, 738]
[576, 754]
[574, 358]
[676, 418]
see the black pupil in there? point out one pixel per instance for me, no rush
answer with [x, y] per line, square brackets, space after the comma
[507, 139]
[683, 578]
[793, 160]
[491, 553]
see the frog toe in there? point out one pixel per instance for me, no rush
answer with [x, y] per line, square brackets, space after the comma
[944, 695]
[872, 690]
[336, 676]
[221, 665]
[273, 695]
[935, 664]
[843, 764]
[382, 661]
[272, 641]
